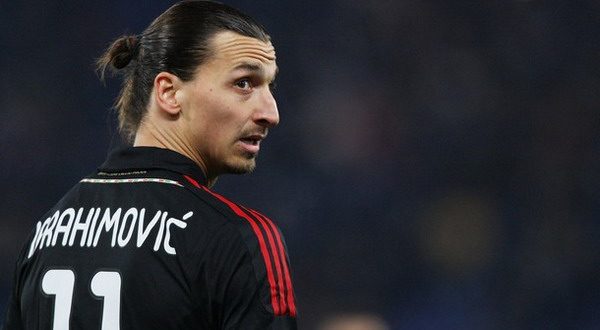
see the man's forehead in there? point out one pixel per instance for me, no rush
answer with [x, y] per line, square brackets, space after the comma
[235, 47]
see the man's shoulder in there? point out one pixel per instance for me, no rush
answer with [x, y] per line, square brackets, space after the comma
[183, 197]
[244, 216]
[153, 187]
[264, 243]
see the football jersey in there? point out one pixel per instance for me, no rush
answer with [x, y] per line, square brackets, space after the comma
[145, 244]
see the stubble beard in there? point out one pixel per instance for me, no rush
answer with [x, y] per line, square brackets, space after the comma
[243, 167]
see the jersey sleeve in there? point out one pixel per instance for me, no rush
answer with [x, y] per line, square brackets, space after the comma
[258, 293]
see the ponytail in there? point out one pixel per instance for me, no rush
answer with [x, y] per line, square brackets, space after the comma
[118, 55]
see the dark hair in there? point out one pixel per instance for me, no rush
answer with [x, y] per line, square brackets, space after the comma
[178, 41]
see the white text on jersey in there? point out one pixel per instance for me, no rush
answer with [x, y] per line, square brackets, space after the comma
[69, 224]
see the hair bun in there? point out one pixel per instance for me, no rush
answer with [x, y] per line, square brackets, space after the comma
[123, 51]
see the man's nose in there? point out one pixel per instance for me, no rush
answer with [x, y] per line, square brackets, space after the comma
[266, 113]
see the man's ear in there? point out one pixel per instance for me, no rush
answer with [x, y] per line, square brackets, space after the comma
[166, 86]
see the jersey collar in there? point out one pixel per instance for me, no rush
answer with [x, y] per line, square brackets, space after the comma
[145, 158]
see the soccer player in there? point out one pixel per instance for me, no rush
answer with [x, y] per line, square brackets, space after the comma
[145, 243]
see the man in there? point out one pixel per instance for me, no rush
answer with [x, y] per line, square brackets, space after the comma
[144, 243]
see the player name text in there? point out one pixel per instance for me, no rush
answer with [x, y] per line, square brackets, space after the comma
[87, 226]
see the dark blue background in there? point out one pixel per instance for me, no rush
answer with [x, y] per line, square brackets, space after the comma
[437, 162]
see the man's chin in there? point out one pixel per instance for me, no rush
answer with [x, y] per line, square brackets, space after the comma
[247, 166]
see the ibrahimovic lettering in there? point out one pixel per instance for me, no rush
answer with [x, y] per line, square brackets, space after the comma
[67, 226]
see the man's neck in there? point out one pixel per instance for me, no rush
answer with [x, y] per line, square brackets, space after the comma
[150, 135]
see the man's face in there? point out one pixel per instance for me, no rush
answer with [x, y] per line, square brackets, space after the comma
[228, 108]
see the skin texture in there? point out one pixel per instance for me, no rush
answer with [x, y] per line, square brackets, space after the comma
[219, 118]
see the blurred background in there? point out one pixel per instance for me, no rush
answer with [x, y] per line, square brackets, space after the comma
[436, 166]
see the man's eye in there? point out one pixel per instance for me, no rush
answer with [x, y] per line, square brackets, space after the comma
[243, 84]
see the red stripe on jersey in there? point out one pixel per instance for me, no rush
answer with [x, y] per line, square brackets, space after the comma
[280, 283]
[288, 279]
[192, 181]
[259, 235]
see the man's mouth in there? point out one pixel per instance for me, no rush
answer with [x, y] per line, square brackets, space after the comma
[251, 140]
[251, 143]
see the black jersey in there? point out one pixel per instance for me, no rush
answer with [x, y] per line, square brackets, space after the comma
[144, 244]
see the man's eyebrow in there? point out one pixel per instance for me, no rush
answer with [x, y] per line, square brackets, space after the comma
[253, 67]
[248, 67]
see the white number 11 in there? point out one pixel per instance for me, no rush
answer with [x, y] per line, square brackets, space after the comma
[105, 284]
